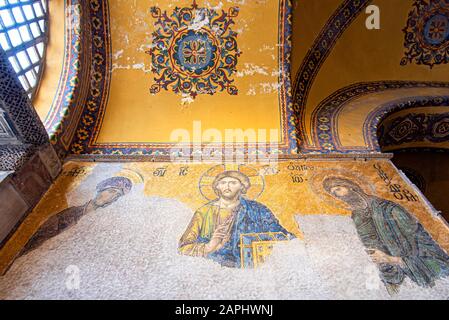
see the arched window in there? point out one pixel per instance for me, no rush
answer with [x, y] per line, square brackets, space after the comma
[23, 36]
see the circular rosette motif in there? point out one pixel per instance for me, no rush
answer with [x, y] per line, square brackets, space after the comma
[189, 56]
[427, 34]
[194, 53]
[440, 130]
[435, 30]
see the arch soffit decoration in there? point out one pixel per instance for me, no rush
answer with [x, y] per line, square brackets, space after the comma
[416, 129]
[379, 99]
[323, 45]
[325, 135]
[66, 109]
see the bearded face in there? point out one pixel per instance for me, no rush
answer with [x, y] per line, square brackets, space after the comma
[229, 188]
[354, 199]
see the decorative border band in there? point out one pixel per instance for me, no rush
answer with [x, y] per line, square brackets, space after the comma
[324, 118]
[62, 120]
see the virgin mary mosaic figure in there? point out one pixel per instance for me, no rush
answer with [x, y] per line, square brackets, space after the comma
[107, 192]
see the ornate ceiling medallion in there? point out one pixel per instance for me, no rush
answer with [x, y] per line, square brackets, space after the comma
[194, 51]
[427, 33]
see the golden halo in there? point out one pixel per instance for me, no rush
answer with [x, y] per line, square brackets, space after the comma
[133, 175]
[207, 179]
[316, 185]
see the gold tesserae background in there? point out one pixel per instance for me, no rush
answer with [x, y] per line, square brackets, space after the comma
[134, 115]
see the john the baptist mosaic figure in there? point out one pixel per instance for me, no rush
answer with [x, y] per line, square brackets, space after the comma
[394, 238]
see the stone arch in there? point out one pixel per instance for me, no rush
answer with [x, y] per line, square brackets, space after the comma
[347, 121]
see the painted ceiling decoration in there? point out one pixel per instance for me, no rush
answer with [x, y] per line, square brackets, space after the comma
[437, 126]
[194, 50]
[324, 118]
[64, 114]
[416, 127]
[187, 57]
[220, 76]
[135, 72]
[345, 14]
[427, 33]
[100, 76]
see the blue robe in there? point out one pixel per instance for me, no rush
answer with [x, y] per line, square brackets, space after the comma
[252, 217]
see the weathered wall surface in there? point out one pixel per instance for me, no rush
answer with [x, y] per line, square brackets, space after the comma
[138, 233]
[222, 65]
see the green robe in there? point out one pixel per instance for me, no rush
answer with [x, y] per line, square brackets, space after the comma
[388, 227]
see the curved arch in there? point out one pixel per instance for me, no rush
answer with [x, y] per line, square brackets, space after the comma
[361, 107]
[63, 112]
[84, 70]
[323, 45]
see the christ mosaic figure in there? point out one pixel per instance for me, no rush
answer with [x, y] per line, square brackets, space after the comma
[394, 238]
[215, 229]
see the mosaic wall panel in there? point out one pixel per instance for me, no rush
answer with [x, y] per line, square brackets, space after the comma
[326, 133]
[302, 229]
[70, 98]
[344, 46]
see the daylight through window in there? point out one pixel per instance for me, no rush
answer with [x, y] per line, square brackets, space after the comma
[23, 36]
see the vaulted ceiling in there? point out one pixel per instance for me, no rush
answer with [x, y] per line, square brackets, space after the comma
[345, 79]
